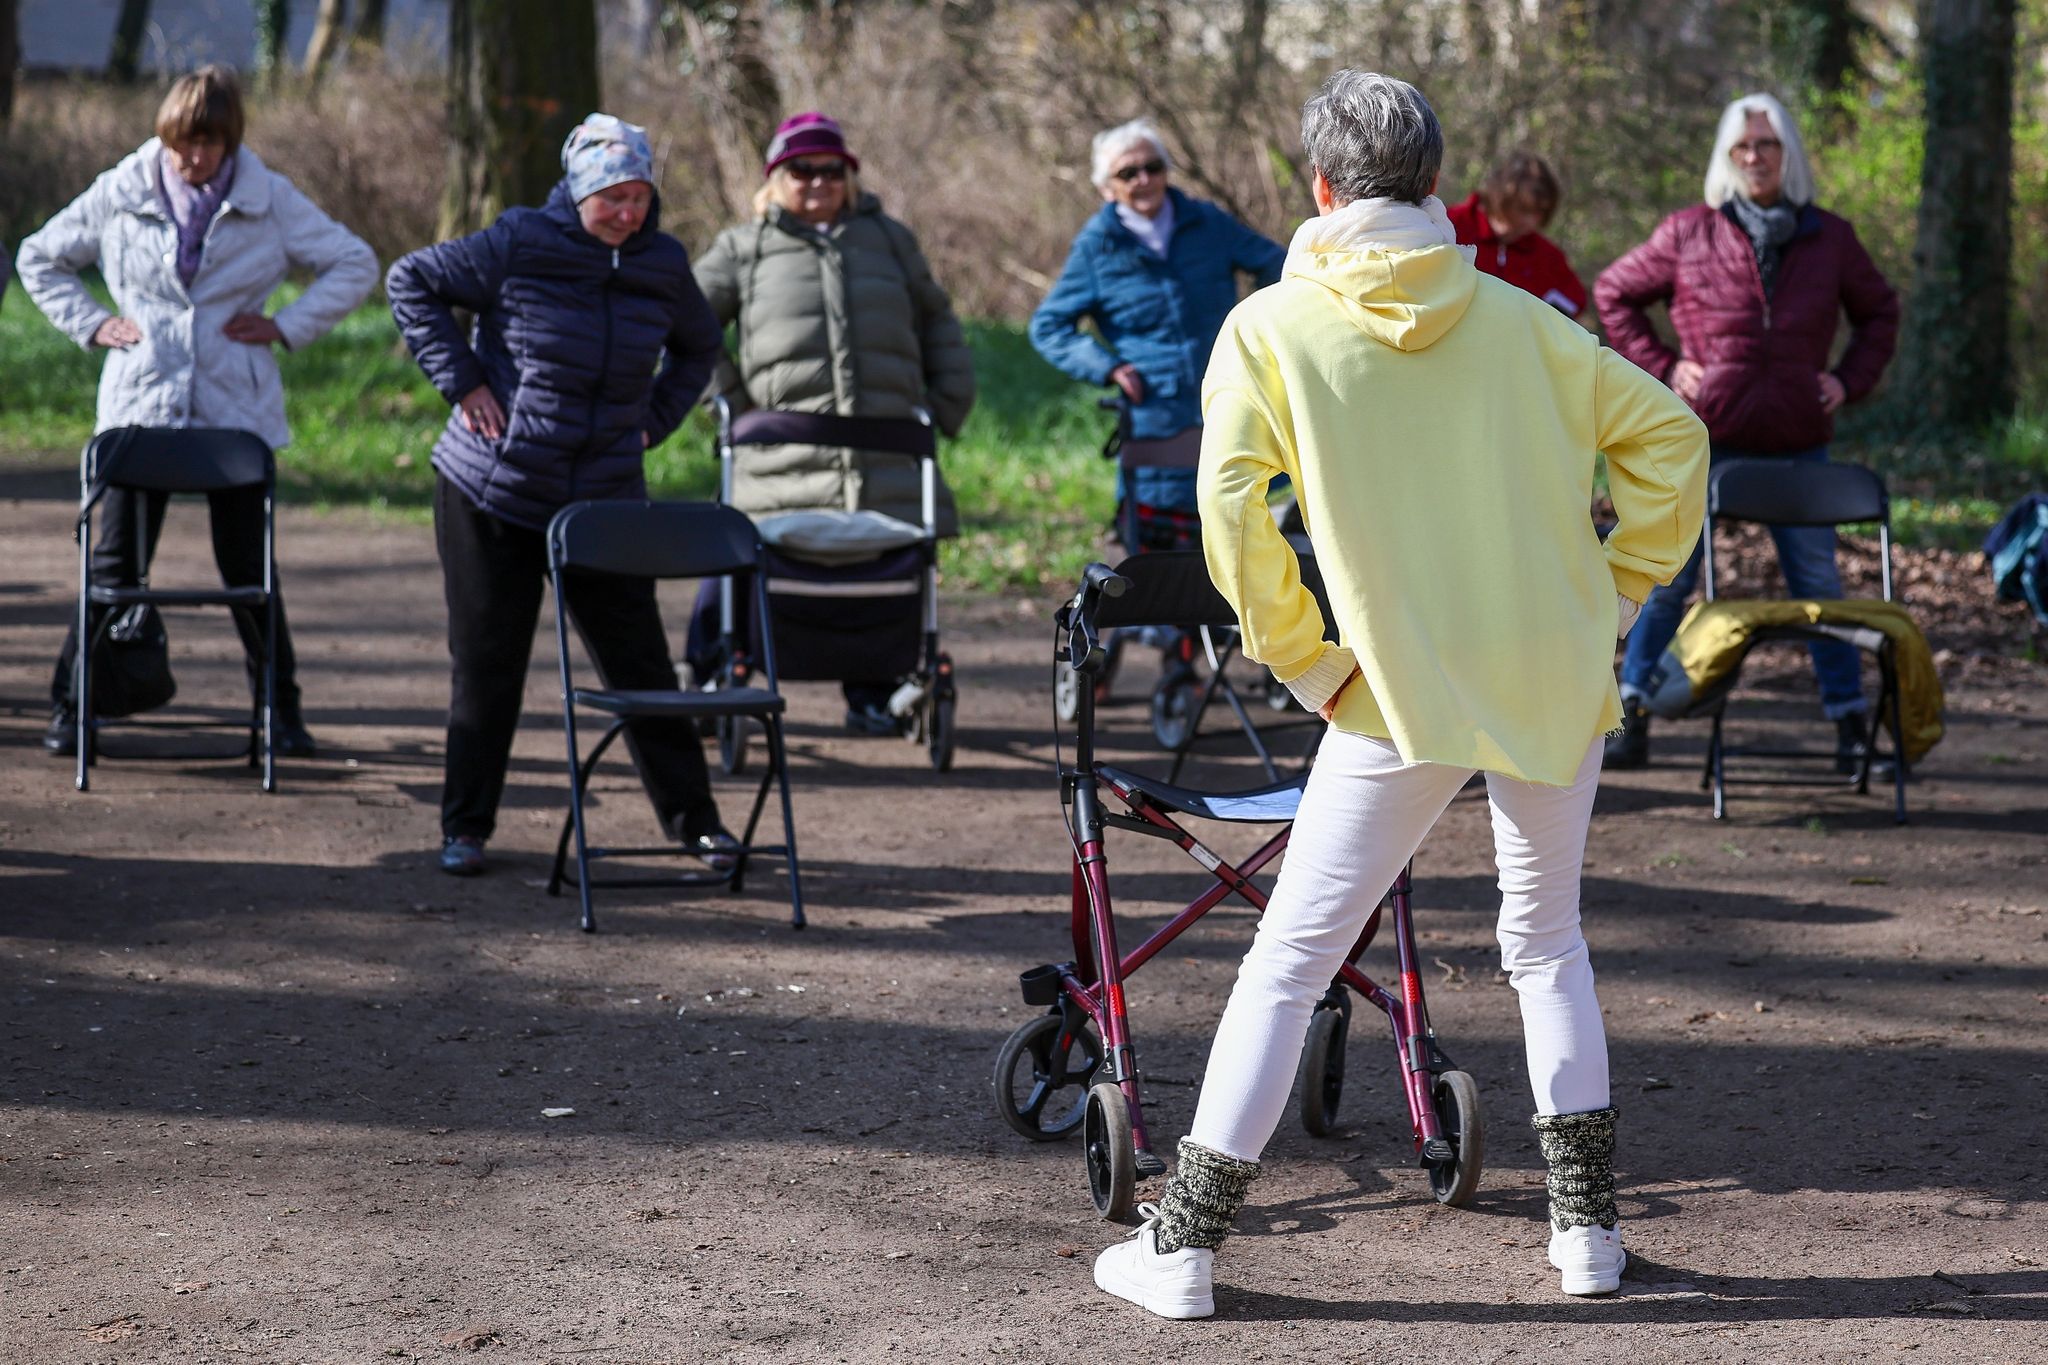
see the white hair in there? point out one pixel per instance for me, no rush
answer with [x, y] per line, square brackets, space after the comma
[1112, 143]
[1724, 182]
[1372, 137]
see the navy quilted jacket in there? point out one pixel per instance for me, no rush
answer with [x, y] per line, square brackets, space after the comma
[585, 347]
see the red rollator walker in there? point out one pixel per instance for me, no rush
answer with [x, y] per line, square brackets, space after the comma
[1075, 1067]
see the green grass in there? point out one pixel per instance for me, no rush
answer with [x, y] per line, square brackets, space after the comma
[1032, 490]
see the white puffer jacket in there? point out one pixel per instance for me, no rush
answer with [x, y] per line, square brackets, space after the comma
[184, 372]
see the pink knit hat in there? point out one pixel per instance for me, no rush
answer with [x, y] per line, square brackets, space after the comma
[807, 134]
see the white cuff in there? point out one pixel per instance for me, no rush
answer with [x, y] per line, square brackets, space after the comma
[1314, 688]
[1629, 609]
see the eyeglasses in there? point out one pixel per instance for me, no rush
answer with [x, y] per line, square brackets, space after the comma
[816, 170]
[1763, 146]
[1155, 169]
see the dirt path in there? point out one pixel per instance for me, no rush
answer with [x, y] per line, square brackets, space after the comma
[271, 1089]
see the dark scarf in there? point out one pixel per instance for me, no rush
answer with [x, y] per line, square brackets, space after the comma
[1768, 230]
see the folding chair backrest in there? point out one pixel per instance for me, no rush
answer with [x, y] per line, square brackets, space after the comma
[892, 435]
[653, 539]
[177, 460]
[1172, 588]
[1795, 493]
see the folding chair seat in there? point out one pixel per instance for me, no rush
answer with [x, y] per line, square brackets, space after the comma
[167, 461]
[1274, 803]
[664, 540]
[1798, 493]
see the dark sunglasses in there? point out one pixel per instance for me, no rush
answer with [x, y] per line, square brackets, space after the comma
[815, 170]
[1155, 169]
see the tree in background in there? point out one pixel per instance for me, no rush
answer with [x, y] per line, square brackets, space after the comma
[1954, 368]
[10, 54]
[124, 58]
[369, 30]
[728, 50]
[521, 73]
[273, 18]
[328, 22]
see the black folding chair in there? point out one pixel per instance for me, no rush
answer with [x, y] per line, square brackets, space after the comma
[1797, 493]
[665, 540]
[168, 461]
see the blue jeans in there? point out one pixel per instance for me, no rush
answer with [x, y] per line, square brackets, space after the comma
[1806, 556]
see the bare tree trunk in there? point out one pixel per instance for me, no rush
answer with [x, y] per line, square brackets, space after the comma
[1955, 366]
[124, 59]
[10, 54]
[369, 29]
[1248, 59]
[328, 21]
[522, 73]
[272, 19]
[742, 95]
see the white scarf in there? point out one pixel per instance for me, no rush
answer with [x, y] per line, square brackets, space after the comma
[1154, 234]
[1378, 225]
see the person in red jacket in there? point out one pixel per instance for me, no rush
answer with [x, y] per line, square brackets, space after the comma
[1756, 281]
[1504, 219]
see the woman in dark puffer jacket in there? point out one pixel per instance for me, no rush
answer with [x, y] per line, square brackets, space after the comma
[1757, 280]
[557, 397]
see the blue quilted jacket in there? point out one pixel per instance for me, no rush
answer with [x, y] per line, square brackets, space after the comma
[1159, 315]
[569, 334]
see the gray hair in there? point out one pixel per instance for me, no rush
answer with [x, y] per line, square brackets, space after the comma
[1796, 173]
[1373, 137]
[1112, 143]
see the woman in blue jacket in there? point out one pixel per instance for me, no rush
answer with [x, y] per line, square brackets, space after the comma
[557, 397]
[1155, 271]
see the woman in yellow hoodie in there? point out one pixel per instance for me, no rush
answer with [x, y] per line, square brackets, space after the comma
[1477, 612]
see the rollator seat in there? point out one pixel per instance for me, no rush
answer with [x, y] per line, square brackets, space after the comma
[1274, 803]
[725, 701]
[177, 597]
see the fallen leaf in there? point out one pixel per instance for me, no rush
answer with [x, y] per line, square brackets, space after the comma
[1869, 881]
[470, 1338]
[1066, 1253]
[190, 1286]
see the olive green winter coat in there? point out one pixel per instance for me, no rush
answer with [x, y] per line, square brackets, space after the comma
[847, 321]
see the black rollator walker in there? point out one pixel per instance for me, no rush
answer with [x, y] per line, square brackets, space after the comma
[853, 594]
[1075, 1068]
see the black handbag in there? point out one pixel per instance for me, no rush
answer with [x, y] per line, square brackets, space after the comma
[131, 665]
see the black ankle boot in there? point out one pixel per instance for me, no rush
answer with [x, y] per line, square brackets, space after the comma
[1852, 741]
[1630, 747]
[61, 739]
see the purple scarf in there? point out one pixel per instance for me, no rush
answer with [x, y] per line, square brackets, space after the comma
[191, 208]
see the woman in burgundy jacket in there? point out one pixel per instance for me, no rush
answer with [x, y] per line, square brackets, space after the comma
[1756, 281]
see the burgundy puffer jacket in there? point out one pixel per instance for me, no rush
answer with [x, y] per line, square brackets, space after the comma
[1762, 356]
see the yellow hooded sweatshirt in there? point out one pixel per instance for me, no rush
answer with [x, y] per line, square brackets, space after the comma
[1440, 427]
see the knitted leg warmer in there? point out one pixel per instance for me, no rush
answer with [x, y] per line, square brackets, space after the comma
[1579, 1149]
[1203, 1196]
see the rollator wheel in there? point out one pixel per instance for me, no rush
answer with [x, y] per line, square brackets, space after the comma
[939, 735]
[1321, 1083]
[1112, 1160]
[732, 744]
[1042, 1077]
[1173, 708]
[1066, 693]
[1456, 1097]
[1278, 698]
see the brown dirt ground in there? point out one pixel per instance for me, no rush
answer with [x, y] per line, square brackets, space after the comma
[271, 1088]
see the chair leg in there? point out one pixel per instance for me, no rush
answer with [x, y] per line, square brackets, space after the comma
[270, 697]
[1898, 729]
[1718, 757]
[779, 758]
[576, 778]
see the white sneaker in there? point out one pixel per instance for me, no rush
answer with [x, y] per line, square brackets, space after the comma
[1590, 1257]
[1173, 1284]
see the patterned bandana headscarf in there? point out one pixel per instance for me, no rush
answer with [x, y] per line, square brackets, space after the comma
[603, 151]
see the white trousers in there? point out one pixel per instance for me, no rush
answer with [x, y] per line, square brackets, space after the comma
[1362, 818]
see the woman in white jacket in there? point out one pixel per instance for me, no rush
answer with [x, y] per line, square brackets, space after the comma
[192, 233]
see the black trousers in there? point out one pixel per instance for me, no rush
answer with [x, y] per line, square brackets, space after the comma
[119, 560]
[495, 574]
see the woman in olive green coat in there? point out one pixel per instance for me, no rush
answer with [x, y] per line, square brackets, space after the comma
[838, 313]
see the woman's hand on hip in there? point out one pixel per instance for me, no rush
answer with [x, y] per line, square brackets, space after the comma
[116, 334]
[1685, 379]
[1832, 394]
[252, 329]
[1328, 710]
[1127, 378]
[481, 413]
